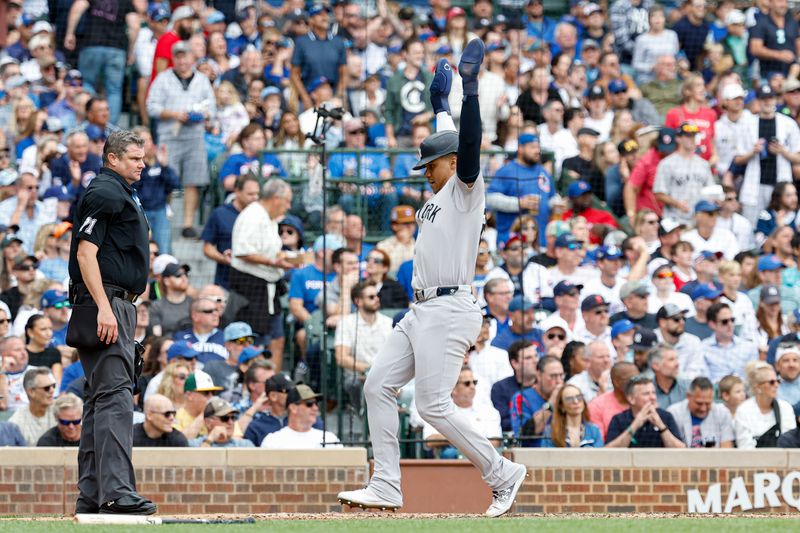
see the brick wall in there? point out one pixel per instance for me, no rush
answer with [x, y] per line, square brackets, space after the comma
[624, 481]
[189, 481]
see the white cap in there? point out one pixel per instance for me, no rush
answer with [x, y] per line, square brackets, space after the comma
[161, 262]
[554, 321]
[40, 26]
[784, 349]
[732, 91]
[182, 12]
[735, 17]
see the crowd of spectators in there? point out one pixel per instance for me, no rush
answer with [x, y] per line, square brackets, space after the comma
[639, 267]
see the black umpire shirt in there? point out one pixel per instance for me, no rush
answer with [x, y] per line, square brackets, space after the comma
[110, 216]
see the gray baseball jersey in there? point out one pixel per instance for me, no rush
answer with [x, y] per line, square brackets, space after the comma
[450, 225]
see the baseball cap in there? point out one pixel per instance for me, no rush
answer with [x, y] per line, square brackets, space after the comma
[403, 214]
[59, 192]
[593, 301]
[293, 221]
[733, 91]
[568, 240]
[539, 44]
[791, 85]
[181, 349]
[216, 406]
[315, 84]
[396, 49]
[456, 12]
[250, 353]
[237, 330]
[578, 188]
[160, 262]
[53, 125]
[29, 19]
[181, 47]
[199, 382]
[269, 91]
[157, 13]
[8, 177]
[495, 45]
[215, 17]
[95, 132]
[669, 311]
[769, 262]
[279, 383]
[590, 43]
[666, 140]
[8, 239]
[16, 81]
[332, 241]
[301, 393]
[435, 146]
[765, 91]
[554, 321]
[512, 238]
[444, 50]
[316, 9]
[786, 348]
[706, 290]
[668, 225]
[588, 131]
[708, 255]
[687, 128]
[181, 13]
[73, 74]
[639, 287]
[621, 326]
[643, 339]
[704, 206]
[608, 252]
[770, 294]
[40, 26]
[617, 86]
[52, 297]
[565, 287]
[596, 92]
[628, 147]
[519, 303]
[735, 17]
[591, 8]
[173, 269]
[527, 138]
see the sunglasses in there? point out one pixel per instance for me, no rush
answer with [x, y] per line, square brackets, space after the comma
[572, 293]
[310, 403]
[4, 321]
[26, 266]
[667, 274]
[48, 388]
[574, 246]
[726, 321]
[208, 311]
[559, 336]
[233, 417]
[376, 260]
[287, 231]
[61, 305]
[483, 252]
[573, 399]
[167, 414]
[357, 132]
[69, 422]
[680, 318]
[468, 382]
[244, 340]
[772, 382]
[515, 248]
[181, 376]
[601, 312]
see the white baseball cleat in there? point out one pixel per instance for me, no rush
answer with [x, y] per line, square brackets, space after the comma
[365, 499]
[502, 500]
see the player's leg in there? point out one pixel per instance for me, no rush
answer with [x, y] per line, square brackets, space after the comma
[391, 370]
[447, 327]
[468, 165]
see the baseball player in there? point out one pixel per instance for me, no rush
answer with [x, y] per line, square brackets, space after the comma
[432, 338]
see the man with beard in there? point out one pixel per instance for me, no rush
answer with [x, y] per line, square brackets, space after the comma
[672, 333]
[580, 198]
[522, 186]
[182, 20]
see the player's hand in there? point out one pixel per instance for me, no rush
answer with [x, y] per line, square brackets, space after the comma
[107, 328]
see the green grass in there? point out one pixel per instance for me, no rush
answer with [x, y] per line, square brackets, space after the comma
[460, 525]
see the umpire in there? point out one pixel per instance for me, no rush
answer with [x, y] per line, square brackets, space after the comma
[108, 268]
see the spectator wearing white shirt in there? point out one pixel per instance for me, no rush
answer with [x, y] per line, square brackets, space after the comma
[608, 284]
[302, 405]
[567, 297]
[553, 114]
[730, 219]
[359, 337]
[596, 379]
[730, 127]
[672, 332]
[14, 366]
[569, 256]
[663, 280]
[482, 415]
[703, 423]
[39, 415]
[707, 235]
[730, 276]
[594, 310]
[787, 363]
[756, 423]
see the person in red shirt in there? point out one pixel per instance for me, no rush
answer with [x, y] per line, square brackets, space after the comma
[183, 19]
[638, 191]
[603, 408]
[580, 199]
[695, 111]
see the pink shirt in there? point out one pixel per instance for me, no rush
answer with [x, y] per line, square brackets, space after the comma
[602, 409]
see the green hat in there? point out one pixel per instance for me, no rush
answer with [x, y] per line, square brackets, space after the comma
[200, 383]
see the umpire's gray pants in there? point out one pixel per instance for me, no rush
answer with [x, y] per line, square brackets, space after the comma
[429, 343]
[104, 457]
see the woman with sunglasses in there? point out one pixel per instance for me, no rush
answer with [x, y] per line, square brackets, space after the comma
[390, 292]
[665, 293]
[645, 225]
[172, 383]
[569, 426]
[38, 335]
[761, 418]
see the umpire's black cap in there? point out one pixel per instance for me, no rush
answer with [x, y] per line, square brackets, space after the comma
[435, 146]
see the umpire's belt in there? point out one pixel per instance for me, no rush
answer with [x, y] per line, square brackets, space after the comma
[422, 295]
[81, 293]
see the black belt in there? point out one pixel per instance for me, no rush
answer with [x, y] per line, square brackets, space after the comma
[112, 291]
[419, 294]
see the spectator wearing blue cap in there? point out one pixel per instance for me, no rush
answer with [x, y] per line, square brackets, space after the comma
[316, 54]
[622, 333]
[569, 256]
[55, 306]
[708, 234]
[521, 311]
[406, 105]
[237, 337]
[599, 221]
[770, 268]
[218, 231]
[609, 262]
[641, 109]
[522, 186]
[703, 296]
[671, 332]
[768, 147]
[249, 36]
[527, 276]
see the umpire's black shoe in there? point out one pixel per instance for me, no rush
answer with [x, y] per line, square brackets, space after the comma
[84, 507]
[129, 504]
